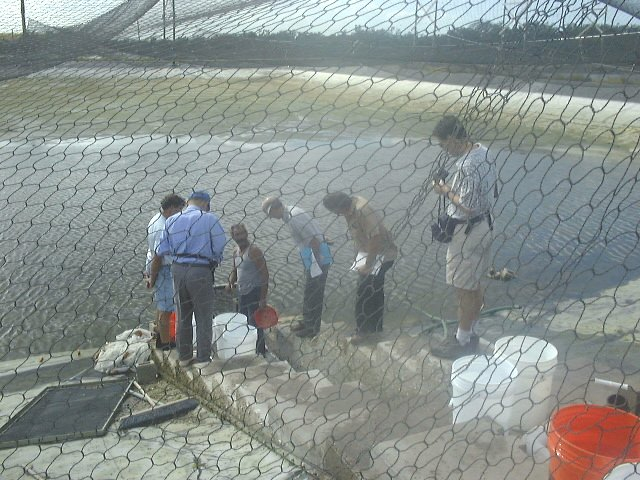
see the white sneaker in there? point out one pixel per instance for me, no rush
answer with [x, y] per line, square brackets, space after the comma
[270, 357]
[185, 363]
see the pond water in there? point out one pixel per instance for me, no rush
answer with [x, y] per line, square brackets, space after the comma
[76, 212]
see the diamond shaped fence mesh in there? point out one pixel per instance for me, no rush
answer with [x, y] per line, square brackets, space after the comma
[346, 127]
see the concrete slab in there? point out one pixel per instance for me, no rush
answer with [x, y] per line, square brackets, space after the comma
[382, 410]
[197, 445]
[473, 451]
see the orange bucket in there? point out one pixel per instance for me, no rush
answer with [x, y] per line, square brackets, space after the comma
[172, 326]
[587, 441]
[266, 317]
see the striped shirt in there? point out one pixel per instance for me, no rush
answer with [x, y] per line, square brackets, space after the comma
[473, 182]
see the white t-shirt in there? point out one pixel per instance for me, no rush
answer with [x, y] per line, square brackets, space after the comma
[154, 234]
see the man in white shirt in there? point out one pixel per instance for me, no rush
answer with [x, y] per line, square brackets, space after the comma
[316, 258]
[163, 287]
[469, 252]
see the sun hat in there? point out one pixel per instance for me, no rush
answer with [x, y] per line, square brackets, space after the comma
[268, 203]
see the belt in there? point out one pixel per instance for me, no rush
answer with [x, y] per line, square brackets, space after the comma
[187, 264]
[477, 219]
[210, 263]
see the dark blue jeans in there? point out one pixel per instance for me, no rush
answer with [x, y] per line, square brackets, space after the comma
[247, 305]
[314, 299]
[370, 301]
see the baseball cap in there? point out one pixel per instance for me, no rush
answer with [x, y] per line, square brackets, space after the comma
[200, 195]
[268, 203]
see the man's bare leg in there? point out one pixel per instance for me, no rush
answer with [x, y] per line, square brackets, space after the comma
[469, 305]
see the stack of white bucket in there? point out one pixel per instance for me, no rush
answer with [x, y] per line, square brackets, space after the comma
[233, 336]
[513, 386]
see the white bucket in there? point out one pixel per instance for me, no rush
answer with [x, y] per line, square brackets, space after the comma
[529, 396]
[233, 336]
[625, 471]
[194, 335]
[479, 384]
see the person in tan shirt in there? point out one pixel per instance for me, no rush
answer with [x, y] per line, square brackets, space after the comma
[376, 253]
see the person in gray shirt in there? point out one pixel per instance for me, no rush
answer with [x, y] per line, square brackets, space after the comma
[316, 258]
[251, 278]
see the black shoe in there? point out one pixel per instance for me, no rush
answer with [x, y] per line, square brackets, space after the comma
[164, 346]
[364, 338]
[306, 333]
[296, 327]
[450, 349]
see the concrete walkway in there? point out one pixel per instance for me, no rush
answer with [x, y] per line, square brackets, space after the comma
[321, 408]
[378, 411]
[194, 446]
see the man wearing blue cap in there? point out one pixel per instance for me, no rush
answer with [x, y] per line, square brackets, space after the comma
[195, 239]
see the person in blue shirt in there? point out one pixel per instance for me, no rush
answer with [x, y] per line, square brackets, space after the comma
[195, 239]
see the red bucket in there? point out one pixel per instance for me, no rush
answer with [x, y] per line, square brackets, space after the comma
[266, 317]
[172, 326]
[587, 441]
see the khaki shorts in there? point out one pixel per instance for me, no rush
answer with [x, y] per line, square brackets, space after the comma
[469, 256]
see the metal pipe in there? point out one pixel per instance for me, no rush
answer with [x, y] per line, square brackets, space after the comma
[609, 383]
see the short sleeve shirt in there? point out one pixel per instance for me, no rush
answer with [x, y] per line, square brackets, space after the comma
[154, 234]
[365, 224]
[473, 182]
[194, 233]
[303, 226]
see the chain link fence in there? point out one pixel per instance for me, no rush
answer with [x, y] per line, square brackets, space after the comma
[110, 106]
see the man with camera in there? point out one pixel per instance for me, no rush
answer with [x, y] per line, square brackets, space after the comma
[470, 230]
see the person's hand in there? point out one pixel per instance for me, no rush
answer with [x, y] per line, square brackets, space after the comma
[441, 188]
[365, 270]
[150, 284]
